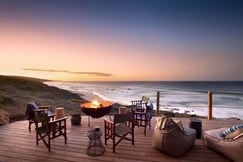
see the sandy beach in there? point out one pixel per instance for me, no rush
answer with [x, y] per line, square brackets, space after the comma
[90, 96]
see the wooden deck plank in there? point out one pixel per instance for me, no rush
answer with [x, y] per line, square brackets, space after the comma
[18, 144]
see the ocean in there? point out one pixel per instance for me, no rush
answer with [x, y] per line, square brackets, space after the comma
[189, 97]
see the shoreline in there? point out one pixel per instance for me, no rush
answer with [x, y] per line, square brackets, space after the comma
[176, 109]
[89, 96]
[14, 105]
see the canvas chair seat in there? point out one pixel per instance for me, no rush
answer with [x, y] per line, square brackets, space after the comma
[121, 128]
[43, 129]
[47, 129]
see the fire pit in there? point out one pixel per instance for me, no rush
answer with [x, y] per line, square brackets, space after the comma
[96, 109]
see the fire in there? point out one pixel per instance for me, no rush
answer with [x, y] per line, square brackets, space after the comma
[96, 109]
[95, 104]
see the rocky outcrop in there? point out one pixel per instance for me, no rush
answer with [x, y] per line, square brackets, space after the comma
[4, 117]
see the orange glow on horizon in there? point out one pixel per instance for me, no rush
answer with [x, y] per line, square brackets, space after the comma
[40, 47]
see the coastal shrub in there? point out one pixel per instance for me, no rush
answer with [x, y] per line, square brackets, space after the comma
[77, 100]
[193, 115]
[1, 100]
[15, 92]
[6, 100]
[169, 114]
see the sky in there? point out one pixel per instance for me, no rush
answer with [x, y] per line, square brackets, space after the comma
[122, 40]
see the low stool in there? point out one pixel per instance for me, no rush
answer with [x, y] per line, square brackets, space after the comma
[197, 125]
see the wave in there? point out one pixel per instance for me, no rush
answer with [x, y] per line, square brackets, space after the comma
[190, 97]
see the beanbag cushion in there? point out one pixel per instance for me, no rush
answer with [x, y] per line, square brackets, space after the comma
[231, 148]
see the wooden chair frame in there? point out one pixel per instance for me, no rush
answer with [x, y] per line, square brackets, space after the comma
[140, 113]
[48, 130]
[30, 114]
[121, 127]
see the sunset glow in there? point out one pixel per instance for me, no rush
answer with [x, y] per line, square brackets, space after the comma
[121, 40]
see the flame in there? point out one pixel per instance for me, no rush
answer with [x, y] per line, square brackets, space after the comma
[95, 104]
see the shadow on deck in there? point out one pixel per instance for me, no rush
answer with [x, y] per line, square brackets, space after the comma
[18, 144]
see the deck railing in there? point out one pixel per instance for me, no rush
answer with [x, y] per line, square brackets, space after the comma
[210, 106]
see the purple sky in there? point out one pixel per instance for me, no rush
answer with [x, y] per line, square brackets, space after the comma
[122, 39]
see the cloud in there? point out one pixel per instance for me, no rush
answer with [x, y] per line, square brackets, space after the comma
[70, 72]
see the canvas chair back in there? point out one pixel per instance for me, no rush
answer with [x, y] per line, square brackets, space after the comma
[145, 99]
[41, 116]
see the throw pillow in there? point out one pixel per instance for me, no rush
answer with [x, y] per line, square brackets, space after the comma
[33, 105]
[232, 132]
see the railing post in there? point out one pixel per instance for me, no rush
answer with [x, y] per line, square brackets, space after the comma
[209, 105]
[157, 103]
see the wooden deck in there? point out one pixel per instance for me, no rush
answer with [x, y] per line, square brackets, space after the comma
[18, 144]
